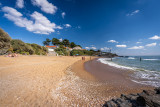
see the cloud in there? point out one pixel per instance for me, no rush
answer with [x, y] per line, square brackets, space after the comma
[67, 25]
[0, 3]
[93, 48]
[39, 23]
[45, 6]
[63, 14]
[133, 13]
[156, 37]
[152, 44]
[112, 41]
[60, 39]
[20, 3]
[138, 42]
[137, 47]
[104, 49]
[121, 46]
[87, 48]
[90, 48]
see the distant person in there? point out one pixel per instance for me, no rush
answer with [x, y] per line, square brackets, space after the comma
[140, 59]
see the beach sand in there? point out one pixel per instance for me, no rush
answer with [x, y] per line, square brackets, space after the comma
[60, 81]
[30, 80]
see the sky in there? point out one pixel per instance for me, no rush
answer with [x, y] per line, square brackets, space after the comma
[127, 27]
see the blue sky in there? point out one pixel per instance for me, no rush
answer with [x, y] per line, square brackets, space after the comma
[129, 27]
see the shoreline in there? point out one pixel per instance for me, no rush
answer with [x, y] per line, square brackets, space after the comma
[48, 81]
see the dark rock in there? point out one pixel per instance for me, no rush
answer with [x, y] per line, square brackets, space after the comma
[148, 98]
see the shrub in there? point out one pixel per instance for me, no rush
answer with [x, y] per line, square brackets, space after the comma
[38, 50]
[62, 51]
[19, 47]
[4, 42]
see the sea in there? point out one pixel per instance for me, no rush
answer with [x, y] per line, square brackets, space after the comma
[145, 71]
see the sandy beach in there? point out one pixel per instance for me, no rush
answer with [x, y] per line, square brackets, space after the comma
[30, 80]
[59, 81]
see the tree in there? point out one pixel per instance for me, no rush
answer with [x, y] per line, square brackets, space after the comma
[55, 41]
[4, 42]
[79, 46]
[66, 42]
[72, 45]
[46, 42]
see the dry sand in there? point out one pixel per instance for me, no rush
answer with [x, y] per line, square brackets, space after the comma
[51, 81]
[31, 80]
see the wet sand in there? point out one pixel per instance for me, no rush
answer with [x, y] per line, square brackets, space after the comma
[119, 79]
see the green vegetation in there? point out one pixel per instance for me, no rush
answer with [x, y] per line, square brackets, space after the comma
[82, 52]
[47, 42]
[4, 42]
[39, 50]
[8, 45]
[21, 47]
[57, 42]
[26, 48]
[62, 51]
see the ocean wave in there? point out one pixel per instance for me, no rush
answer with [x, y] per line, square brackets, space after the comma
[107, 61]
[151, 77]
[151, 83]
[151, 59]
[131, 58]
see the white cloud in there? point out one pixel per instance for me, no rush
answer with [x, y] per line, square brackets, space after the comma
[156, 37]
[138, 42]
[87, 48]
[45, 6]
[112, 41]
[0, 3]
[133, 13]
[67, 25]
[63, 14]
[121, 46]
[137, 47]
[39, 23]
[93, 48]
[90, 48]
[20, 3]
[104, 49]
[60, 39]
[151, 44]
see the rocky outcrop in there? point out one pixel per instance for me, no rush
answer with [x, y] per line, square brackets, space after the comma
[148, 98]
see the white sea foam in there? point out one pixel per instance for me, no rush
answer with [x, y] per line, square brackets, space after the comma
[151, 83]
[151, 59]
[151, 77]
[131, 58]
[108, 62]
